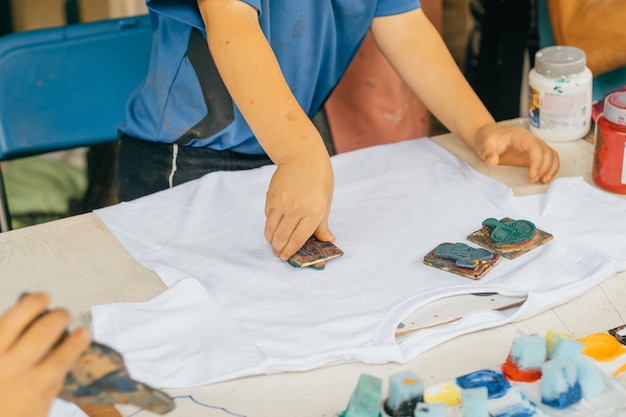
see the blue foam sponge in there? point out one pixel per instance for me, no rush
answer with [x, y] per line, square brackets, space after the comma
[405, 390]
[365, 399]
[590, 378]
[529, 351]
[562, 346]
[474, 402]
[560, 387]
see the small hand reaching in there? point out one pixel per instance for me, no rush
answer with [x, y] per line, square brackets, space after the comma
[508, 145]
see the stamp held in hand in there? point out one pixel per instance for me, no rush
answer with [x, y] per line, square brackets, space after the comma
[315, 253]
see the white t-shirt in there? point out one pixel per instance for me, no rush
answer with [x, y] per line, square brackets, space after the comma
[232, 309]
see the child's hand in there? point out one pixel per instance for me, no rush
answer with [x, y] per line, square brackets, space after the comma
[508, 145]
[298, 202]
[33, 365]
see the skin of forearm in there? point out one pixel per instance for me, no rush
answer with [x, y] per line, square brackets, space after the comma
[254, 80]
[416, 51]
[595, 26]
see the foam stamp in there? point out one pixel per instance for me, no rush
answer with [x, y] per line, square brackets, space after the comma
[474, 402]
[509, 238]
[366, 398]
[405, 391]
[560, 345]
[566, 347]
[560, 387]
[462, 259]
[527, 355]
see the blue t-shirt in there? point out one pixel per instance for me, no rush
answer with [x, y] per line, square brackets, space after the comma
[183, 99]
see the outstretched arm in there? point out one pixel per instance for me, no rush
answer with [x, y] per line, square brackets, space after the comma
[417, 52]
[300, 193]
[33, 361]
[597, 27]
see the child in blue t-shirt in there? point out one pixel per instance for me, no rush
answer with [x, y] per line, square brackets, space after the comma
[247, 99]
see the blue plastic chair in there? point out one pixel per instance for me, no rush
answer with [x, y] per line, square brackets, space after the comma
[66, 87]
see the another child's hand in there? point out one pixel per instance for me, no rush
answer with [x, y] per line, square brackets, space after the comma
[508, 145]
[33, 366]
[298, 203]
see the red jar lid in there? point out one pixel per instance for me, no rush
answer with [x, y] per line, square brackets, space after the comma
[615, 108]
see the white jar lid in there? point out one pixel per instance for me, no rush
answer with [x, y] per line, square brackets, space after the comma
[615, 107]
[560, 61]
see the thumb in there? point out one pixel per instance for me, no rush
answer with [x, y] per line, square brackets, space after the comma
[323, 233]
[491, 158]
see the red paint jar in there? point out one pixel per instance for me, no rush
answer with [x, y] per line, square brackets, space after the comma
[609, 160]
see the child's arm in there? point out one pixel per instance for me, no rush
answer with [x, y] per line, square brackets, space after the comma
[419, 55]
[300, 193]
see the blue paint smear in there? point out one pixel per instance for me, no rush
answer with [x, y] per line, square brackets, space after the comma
[199, 403]
[521, 407]
[494, 381]
[565, 399]
[516, 410]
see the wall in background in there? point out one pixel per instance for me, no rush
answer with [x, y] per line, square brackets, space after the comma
[34, 14]
[101, 9]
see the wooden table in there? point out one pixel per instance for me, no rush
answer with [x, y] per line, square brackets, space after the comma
[80, 263]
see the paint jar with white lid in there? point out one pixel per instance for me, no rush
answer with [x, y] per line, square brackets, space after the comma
[560, 88]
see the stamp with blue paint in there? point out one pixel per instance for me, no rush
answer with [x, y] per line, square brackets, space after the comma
[464, 255]
[508, 232]
[462, 259]
[560, 386]
[508, 237]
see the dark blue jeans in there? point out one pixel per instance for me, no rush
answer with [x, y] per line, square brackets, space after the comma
[144, 167]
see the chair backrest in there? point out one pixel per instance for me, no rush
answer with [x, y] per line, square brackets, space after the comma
[67, 87]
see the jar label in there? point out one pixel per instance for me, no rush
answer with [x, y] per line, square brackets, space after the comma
[556, 110]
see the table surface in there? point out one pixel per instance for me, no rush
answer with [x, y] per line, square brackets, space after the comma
[79, 262]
